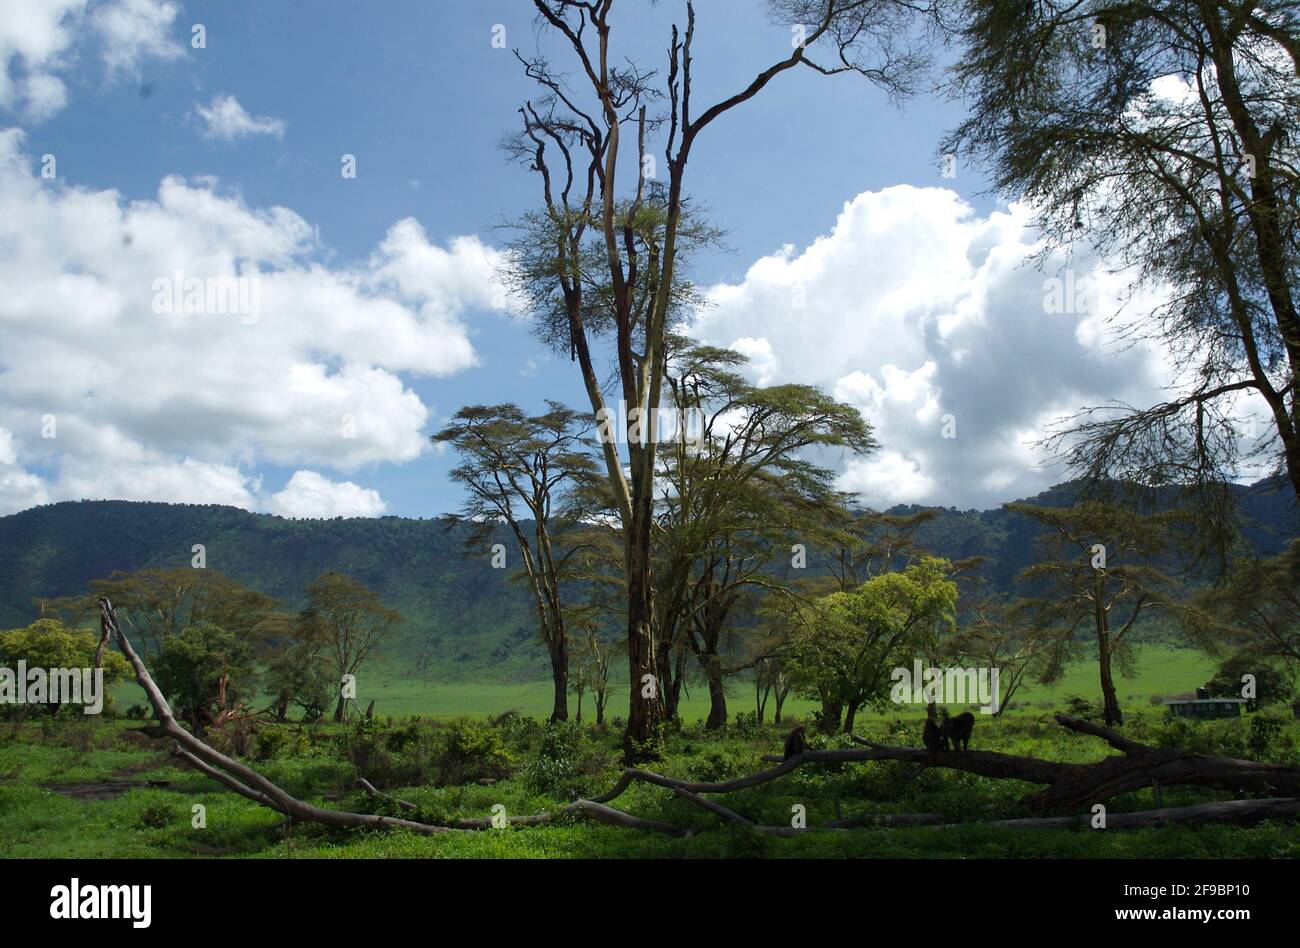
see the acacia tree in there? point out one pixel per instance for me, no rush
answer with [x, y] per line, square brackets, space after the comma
[572, 137]
[157, 603]
[1254, 611]
[352, 621]
[1099, 570]
[591, 670]
[297, 671]
[1161, 134]
[205, 670]
[994, 634]
[737, 493]
[845, 644]
[518, 470]
[869, 542]
[772, 679]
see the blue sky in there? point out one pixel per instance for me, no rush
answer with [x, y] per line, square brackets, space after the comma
[918, 304]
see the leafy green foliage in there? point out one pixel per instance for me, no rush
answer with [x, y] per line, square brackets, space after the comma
[200, 665]
[846, 644]
[48, 644]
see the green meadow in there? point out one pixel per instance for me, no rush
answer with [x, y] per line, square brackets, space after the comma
[1163, 671]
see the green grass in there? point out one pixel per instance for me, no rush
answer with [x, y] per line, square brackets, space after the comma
[1163, 671]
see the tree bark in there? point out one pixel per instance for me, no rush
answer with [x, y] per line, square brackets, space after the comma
[1110, 701]
[717, 693]
[560, 675]
[645, 702]
[850, 716]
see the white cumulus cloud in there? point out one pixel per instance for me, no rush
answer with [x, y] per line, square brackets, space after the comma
[225, 119]
[928, 317]
[309, 494]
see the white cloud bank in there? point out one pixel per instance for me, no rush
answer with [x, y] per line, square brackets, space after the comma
[914, 308]
[103, 396]
[40, 39]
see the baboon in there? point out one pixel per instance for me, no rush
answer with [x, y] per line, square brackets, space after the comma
[957, 730]
[930, 735]
[796, 743]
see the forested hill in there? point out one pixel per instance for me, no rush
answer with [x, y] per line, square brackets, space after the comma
[463, 618]
[460, 614]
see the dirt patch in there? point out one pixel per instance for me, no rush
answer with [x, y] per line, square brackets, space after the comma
[102, 790]
[141, 766]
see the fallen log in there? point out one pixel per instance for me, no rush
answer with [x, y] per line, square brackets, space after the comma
[1071, 786]
[1224, 811]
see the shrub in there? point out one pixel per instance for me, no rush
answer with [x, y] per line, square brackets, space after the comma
[747, 724]
[157, 816]
[470, 750]
[558, 768]
[1084, 709]
[272, 743]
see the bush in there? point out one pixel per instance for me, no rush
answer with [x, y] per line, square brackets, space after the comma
[157, 816]
[1267, 739]
[365, 743]
[558, 767]
[273, 743]
[747, 724]
[470, 750]
[1084, 709]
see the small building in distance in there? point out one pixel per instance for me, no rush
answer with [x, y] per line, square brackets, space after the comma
[1203, 706]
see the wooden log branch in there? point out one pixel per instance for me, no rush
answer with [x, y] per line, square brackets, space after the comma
[1223, 811]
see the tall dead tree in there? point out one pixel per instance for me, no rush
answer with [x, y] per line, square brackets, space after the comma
[572, 137]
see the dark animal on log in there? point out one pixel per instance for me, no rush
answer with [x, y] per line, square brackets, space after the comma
[930, 736]
[796, 743]
[957, 731]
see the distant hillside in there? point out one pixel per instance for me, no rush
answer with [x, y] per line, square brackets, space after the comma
[463, 618]
[1007, 540]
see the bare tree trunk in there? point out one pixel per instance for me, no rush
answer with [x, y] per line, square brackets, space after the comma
[560, 675]
[645, 702]
[1111, 715]
[850, 716]
[717, 692]
[762, 688]
[779, 695]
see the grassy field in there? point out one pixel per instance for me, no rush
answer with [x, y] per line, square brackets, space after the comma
[1163, 671]
[97, 787]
